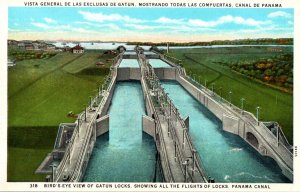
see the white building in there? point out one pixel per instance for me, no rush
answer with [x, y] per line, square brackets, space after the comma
[77, 49]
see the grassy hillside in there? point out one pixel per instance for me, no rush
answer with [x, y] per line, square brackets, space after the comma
[208, 65]
[40, 94]
[87, 60]
[26, 72]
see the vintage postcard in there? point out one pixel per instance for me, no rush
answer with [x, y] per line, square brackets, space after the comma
[149, 95]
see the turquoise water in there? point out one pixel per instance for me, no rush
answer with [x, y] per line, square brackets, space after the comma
[125, 154]
[226, 157]
[129, 63]
[155, 63]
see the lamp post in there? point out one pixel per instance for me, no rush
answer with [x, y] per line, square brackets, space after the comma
[78, 121]
[163, 95]
[65, 136]
[220, 93]
[242, 104]
[175, 147]
[185, 164]
[199, 77]
[183, 136]
[53, 167]
[157, 95]
[212, 87]
[176, 113]
[168, 119]
[110, 71]
[229, 97]
[170, 109]
[91, 98]
[194, 161]
[85, 112]
[194, 77]
[168, 99]
[257, 114]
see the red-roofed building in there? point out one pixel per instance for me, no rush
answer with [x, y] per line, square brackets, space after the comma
[77, 49]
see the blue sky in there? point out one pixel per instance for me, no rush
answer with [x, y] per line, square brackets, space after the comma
[148, 24]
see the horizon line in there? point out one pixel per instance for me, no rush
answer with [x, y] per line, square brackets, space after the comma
[130, 41]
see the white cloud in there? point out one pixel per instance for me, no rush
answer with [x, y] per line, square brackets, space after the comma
[148, 27]
[279, 14]
[165, 20]
[99, 17]
[110, 25]
[83, 22]
[81, 30]
[54, 27]
[227, 19]
[62, 27]
[41, 25]
[181, 28]
[113, 26]
[250, 21]
[49, 20]
[65, 28]
[192, 29]
[201, 23]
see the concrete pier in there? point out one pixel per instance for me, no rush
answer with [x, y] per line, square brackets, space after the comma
[179, 160]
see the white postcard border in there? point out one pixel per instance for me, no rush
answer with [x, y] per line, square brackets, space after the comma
[24, 186]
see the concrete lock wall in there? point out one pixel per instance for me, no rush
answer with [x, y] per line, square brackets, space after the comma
[148, 125]
[109, 98]
[152, 56]
[208, 102]
[135, 74]
[165, 73]
[263, 147]
[102, 125]
[148, 108]
[267, 146]
[123, 74]
[187, 122]
[231, 124]
[267, 142]
[130, 56]
[127, 73]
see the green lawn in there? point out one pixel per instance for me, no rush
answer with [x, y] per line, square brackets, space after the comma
[204, 64]
[87, 60]
[26, 72]
[22, 162]
[39, 98]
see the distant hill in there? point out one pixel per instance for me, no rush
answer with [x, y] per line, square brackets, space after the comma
[262, 41]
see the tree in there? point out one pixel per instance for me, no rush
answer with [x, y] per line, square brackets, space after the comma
[280, 72]
[268, 72]
[290, 80]
[252, 73]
